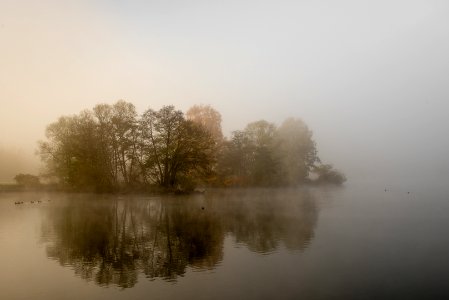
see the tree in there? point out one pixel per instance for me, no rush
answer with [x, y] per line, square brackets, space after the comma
[326, 174]
[296, 151]
[94, 150]
[71, 151]
[175, 149]
[247, 159]
[124, 139]
[209, 118]
[264, 169]
[110, 147]
[265, 155]
[105, 141]
[235, 160]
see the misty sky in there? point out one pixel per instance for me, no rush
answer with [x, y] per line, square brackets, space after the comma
[370, 78]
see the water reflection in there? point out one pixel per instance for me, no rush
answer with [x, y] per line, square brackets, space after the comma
[112, 240]
[263, 219]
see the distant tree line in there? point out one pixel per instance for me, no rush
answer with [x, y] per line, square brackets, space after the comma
[27, 180]
[112, 148]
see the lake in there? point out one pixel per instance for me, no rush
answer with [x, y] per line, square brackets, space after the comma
[354, 242]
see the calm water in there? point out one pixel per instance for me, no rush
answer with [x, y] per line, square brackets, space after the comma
[356, 242]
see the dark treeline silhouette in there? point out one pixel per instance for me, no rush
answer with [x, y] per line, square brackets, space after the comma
[112, 148]
[112, 242]
[27, 180]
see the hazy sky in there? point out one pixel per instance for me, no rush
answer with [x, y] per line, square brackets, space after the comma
[370, 78]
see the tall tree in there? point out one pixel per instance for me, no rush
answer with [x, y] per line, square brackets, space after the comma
[94, 150]
[71, 152]
[264, 164]
[265, 155]
[296, 151]
[124, 123]
[236, 159]
[105, 141]
[209, 118]
[248, 158]
[175, 148]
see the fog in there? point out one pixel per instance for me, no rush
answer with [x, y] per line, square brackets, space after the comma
[370, 79]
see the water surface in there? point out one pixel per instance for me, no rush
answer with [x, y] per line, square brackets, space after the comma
[356, 242]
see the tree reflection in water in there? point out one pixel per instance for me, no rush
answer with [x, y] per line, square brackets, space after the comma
[263, 219]
[112, 241]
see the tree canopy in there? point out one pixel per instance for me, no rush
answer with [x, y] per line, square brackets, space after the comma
[112, 148]
[207, 117]
[266, 155]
